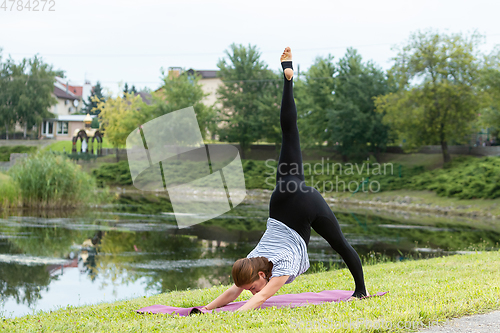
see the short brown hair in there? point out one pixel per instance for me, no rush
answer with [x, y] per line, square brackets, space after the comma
[246, 270]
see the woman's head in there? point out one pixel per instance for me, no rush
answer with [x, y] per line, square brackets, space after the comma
[252, 273]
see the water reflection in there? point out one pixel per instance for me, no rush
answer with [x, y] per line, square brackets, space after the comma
[134, 248]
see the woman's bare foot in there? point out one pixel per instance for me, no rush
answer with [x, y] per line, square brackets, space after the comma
[355, 298]
[287, 56]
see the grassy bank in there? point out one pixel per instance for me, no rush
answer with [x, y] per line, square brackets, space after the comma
[420, 293]
[485, 211]
[66, 146]
[463, 178]
[468, 187]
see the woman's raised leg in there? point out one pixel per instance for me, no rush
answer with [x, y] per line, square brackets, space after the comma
[290, 160]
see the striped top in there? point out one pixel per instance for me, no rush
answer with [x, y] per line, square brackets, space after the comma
[285, 248]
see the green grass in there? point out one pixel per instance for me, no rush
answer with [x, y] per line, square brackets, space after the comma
[68, 145]
[421, 292]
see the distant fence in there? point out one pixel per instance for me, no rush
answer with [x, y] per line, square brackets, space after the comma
[18, 136]
[258, 152]
[264, 152]
[463, 150]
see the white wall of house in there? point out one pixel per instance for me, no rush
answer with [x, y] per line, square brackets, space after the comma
[64, 107]
[62, 128]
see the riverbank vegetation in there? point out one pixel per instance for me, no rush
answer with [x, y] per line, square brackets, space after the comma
[421, 293]
[44, 180]
[9, 194]
[463, 178]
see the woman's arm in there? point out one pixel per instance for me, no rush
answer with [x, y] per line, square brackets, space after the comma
[228, 296]
[269, 290]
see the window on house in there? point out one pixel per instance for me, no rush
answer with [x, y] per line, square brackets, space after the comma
[62, 127]
[66, 102]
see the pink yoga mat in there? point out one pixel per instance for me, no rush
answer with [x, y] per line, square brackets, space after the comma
[287, 300]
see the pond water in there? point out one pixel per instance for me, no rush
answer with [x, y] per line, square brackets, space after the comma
[133, 248]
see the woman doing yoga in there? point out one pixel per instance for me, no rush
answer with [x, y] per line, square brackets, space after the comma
[294, 208]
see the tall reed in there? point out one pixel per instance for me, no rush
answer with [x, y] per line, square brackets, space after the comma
[49, 181]
[9, 192]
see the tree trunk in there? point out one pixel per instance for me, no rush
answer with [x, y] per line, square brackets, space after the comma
[25, 128]
[446, 154]
[6, 132]
[117, 156]
[377, 154]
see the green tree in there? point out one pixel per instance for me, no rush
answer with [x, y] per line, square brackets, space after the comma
[36, 98]
[353, 122]
[26, 92]
[245, 79]
[94, 123]
[125, 89]
[119, 116]
[9, 94]
[269, 103]
[94, 99]
[314, 97]
[438, 96]
[490, 83]
[179, 92]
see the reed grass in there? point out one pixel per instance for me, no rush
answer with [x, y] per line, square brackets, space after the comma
[9, 192]
[45, 180]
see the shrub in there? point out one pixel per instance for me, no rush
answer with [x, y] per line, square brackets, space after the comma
[47, 180]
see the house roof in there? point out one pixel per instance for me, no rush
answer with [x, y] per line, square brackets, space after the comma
[205, 74]
[76, 90]
[60, 92]
[146, 97]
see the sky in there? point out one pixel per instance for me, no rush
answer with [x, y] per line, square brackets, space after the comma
[130, 41]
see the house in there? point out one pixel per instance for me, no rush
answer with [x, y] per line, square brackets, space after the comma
[69, 101]
[209, 82]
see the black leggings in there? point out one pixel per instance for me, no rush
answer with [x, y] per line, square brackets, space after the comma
[301, 207]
